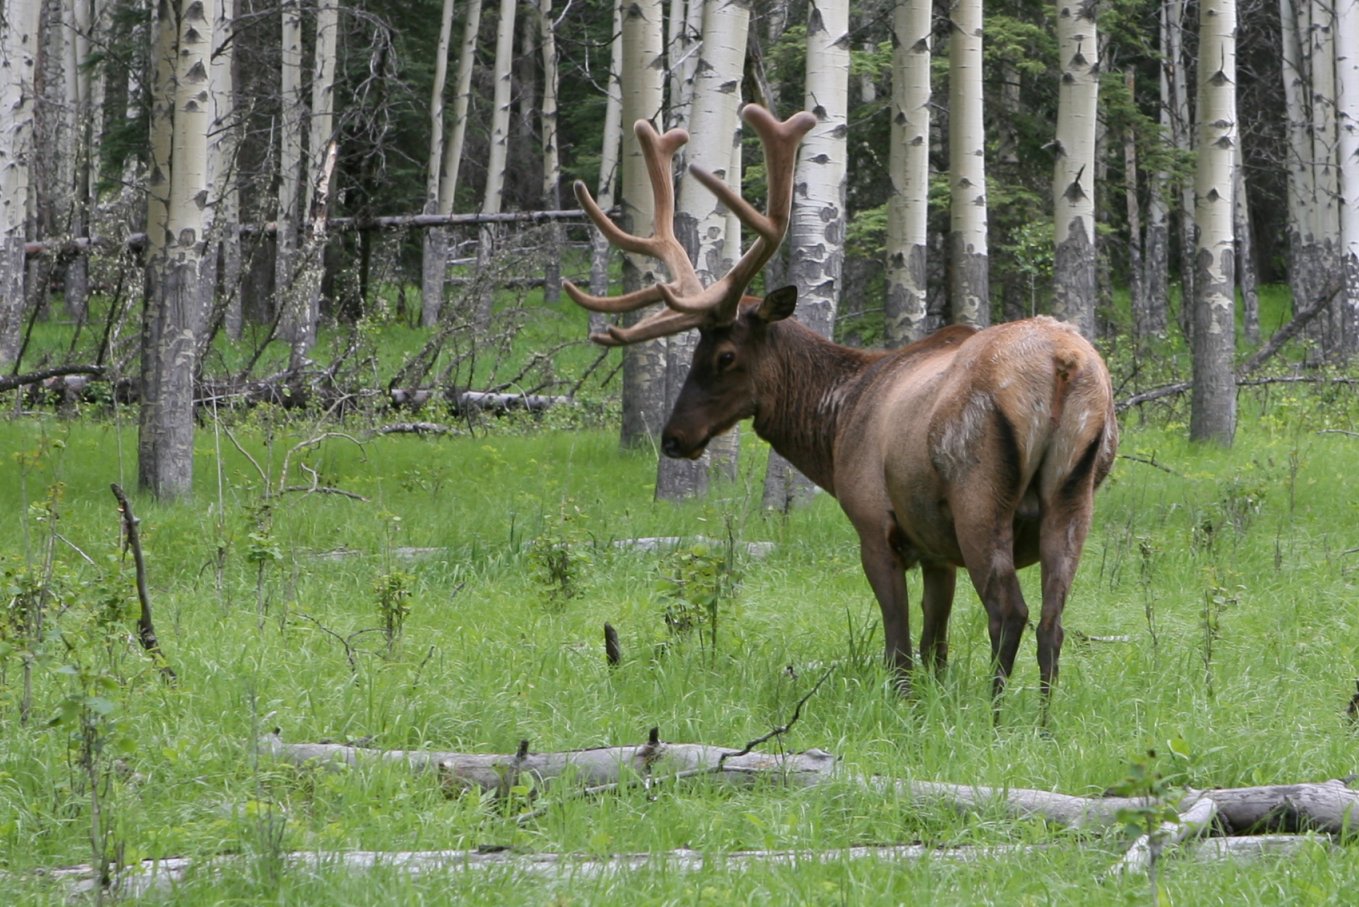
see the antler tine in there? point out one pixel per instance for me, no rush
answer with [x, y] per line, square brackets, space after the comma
[658, 152]
[662, 324]
[613, 305]
[780, 140]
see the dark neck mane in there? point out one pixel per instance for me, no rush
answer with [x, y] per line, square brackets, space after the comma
[803, 387]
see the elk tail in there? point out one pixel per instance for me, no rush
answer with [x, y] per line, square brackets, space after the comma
[1066, 364]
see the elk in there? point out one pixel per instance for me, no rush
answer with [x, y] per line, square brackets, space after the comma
[979, 449]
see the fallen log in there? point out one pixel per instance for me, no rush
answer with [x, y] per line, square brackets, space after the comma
[599, 766]
[47, 377]
[165, 874]
[289, 389]
[499, 403]
[1144, 851]
[1327, 806]
[756, 550]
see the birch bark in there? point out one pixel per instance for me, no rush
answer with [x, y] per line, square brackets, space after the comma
[1213, 401]
[816, 230]
[907, 312]
[306, 288]
[968, 261]
[643, 99]
[1181, 130]
[223, 147]
[608, 165]
[174, 314]
[1156, 260]
[1347, 116]
[498, 155]
[1301, 181]
[433, 259]
[700, 221]
[1326, 237]
[552, 170]
[436, 239]
[1073, 184]
[18, 59]
[291, 127]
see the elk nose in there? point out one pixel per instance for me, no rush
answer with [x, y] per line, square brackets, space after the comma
[670, 446]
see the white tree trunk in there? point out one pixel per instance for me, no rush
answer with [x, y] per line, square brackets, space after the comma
[175, 252]
[552, 170]
[1156, 280]
[1182, 134]
[1073, 183]
[434, 241]
[1347, 116]
[1245, 251]
[816, 229]
[907, 312]
[436, 110]
[462, 96]
[498, 156]
[700, 221]
[18, 51]
[1298, 165]
[684, 41]
[223, 147]
[643, 98]
[970, 284]
[608, 165]
[1213, 402]
[1137, 293]
[80, 82]
[321, 125]
[316, 189]
[1326, 210]
[291, 127]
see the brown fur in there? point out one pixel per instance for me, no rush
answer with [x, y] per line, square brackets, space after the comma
[979, 450]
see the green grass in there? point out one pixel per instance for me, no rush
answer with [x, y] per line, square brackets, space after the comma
[1232, 573]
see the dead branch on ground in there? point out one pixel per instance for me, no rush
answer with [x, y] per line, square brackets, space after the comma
[146, 629]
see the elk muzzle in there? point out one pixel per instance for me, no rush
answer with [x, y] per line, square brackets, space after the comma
[678, 445]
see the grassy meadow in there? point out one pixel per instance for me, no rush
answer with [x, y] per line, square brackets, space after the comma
[458, 605]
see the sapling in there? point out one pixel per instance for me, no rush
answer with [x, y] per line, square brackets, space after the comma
[1146, 784]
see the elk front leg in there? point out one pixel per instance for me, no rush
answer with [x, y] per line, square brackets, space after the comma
[937, 603]
[887, 575]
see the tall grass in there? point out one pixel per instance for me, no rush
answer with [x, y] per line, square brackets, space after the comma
[1213, 621]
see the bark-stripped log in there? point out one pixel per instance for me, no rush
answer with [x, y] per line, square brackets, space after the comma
[163, 874]
[1327, 806]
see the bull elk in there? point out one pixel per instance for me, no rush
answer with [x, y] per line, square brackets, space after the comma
[975, 449]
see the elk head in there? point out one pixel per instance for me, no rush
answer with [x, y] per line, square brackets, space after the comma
[720, 388]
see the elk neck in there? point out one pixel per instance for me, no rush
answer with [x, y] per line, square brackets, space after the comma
[803, 388]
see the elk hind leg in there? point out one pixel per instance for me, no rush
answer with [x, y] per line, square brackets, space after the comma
[1065, 524]
[988, 552]
[937, 604]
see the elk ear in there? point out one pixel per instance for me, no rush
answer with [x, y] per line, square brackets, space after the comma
[777, 306]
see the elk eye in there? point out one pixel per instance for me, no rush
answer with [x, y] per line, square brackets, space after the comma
[726, 359]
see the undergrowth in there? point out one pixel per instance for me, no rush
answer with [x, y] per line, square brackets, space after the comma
[454, 598]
